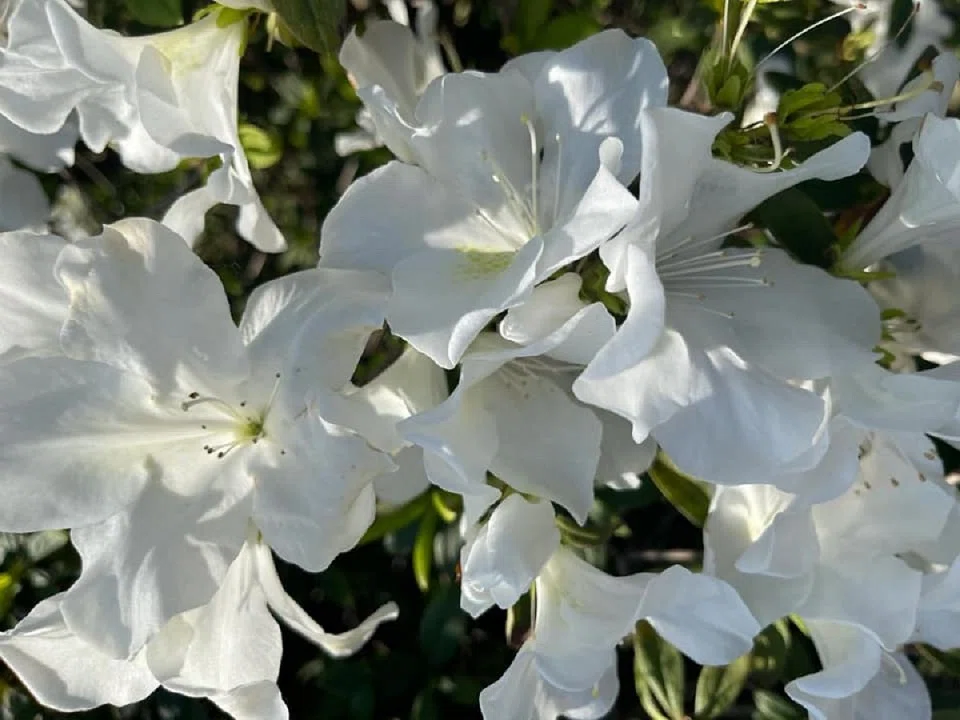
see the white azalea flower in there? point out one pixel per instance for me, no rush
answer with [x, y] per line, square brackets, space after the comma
[411, 385]
[923, 289]
[860, 681]
[713, 334]
[582, 614]
[840, 566]
[157, 99]
[394, 64]
[886, 160]
[891, 62]
[495, 418]
[923, 207]
[518, 174]
[502, 557]
[162, 398]
[227, 650]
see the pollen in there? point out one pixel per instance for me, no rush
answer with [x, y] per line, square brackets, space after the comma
[477, 264]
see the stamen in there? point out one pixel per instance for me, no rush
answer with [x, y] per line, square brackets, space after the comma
[515, 200]
[718, 260]
[556, 186]
[797, 36]
[688, 244]
[882, 50]
[901, 675]
[534, 171]
[197, 399]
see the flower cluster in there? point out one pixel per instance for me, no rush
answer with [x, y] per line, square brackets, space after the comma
[564, 258]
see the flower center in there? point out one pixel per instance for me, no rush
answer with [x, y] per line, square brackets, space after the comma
[240, 425]
[523, 204]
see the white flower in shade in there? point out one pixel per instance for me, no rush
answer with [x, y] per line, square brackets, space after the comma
[517, 175]
[892, 61]
[502, 557]
[860, 680]
[157, 99]
[846, 567]
[411, 385]
[23, 203]
[162, 402]
[391, 65]
[924, 206]
[45, 153]
[512, 413]
[886, 160]
[922, 297]
[714, 334]
[227, 650]
[582, 614]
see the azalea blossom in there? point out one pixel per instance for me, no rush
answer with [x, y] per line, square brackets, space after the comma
[713, 334]
[581, 614]
[396, 62]
[227, 650]
[512, 385]
[843, 566]
[157, 99]
[126, 422]
[517, 175]
[923, 207]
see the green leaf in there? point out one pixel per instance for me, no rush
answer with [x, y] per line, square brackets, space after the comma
[944, 661]
[156, 13]
[718, 687]
[657, 674]
[771, 706]
[769, 656]
[564, 31]
[263, 148]
[799, 225]
[532, 15]
[397, 519]
[314, 23]
[443, 625]
[682, 491]
[423, 548]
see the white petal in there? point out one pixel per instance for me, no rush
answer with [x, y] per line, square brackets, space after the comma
[726, 191]
[805, 324]
[938, 621]
[501, 561]
[622, 459]
[77, 437]
[65, 673]
[336, 645]
[312, 327]
[231, 642]
[523, 694]
[305, 514]
[559, 465]
[162, 556]
[465, 292]
[850, 659]
[141, 277]
[33, 304]
[25, 204]
[702, 615]
[878, 594]
[597, 89]
[259, 701]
